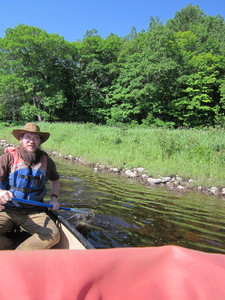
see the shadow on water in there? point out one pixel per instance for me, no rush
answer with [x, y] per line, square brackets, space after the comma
[127, 214]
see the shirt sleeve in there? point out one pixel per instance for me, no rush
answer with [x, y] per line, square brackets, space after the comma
[5, 166]
[52, 172]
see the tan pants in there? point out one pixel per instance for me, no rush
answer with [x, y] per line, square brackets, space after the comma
[44, 232]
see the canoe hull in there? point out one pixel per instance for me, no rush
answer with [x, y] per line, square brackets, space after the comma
[70, 238]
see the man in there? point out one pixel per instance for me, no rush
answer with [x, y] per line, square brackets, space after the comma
[24, 172]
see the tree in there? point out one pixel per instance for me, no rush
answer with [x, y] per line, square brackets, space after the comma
[185, 18]
[96, 72]
[148, 72]
[198, 101]
[11, 96]
[38, 60]
[170, 75]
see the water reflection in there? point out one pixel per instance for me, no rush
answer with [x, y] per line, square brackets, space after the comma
[128, 214]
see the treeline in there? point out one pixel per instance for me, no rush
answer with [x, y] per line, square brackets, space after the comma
[169, 75]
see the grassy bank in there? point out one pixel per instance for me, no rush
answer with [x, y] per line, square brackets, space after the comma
[196, 154]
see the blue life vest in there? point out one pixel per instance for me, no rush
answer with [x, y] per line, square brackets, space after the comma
[2, 186]
[27, 182]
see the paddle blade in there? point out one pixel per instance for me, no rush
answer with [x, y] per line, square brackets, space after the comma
[77, 210]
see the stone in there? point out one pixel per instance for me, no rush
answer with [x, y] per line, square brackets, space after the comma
[165, 179]
[180, 187]
[178, 178]
[154, 180]
[214, 190]
[170, 184]
[130, 173]
[115, 170]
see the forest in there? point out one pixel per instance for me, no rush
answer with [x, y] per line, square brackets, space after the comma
[170, 75]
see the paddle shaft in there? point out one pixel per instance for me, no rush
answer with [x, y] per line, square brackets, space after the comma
[37, 203]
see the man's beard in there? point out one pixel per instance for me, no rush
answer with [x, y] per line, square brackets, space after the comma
[29, 157]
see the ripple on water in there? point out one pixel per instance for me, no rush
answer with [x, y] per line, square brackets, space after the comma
[128, 214]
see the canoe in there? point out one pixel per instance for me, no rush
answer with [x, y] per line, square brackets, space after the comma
[70, 237]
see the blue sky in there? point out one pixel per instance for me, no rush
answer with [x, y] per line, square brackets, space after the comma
[72, 18]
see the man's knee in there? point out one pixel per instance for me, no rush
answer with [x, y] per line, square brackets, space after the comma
[51, 236]
[56, 236]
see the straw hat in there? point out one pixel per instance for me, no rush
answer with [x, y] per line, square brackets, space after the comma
[31, 128]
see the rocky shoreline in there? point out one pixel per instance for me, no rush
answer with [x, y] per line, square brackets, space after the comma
[142, 175]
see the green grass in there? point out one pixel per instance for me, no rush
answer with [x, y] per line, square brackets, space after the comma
[192, 153]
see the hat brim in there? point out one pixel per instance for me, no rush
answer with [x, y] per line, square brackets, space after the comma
[43, 135]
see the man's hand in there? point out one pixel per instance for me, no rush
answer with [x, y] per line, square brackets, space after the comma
[5, 196]
[55, 203]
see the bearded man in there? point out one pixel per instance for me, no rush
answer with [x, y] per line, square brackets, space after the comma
[24, 172]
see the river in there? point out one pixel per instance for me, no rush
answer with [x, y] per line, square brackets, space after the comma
[128, 214]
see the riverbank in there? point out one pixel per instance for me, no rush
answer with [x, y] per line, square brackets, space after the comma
[142, 175]
[181, 160]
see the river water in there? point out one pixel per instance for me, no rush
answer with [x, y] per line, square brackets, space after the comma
[128, 214]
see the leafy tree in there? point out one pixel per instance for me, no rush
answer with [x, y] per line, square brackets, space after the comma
[186, 18]
[172, 75]
[144, 87]
[38, 60]
[210, 34]
[97, 70]
[198, 101]
[11, 96]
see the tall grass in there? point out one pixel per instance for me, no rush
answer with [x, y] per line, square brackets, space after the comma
[192, 153]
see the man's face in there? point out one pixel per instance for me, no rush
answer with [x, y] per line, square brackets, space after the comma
[30, 142]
